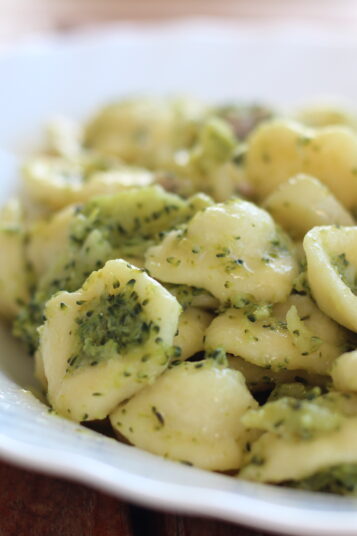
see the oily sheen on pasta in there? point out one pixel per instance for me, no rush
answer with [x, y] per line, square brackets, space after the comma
[184, 274]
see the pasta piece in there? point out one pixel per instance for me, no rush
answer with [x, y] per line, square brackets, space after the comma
[344, 372]
[297, 418]
[103, 343]
[282, 341]
[48, 237]
[280, 149]
[58, 182]
[107, 227]
[233, 250]
[145, 131]
[318, 433]
[262, 379]
[191, 414]
[331, 254]
[210, 165]
[191, 331]
[270, 459]
[13, 269]
[326, 115]
[304, 202]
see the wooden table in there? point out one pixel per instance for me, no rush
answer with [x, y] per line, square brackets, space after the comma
[37, 505]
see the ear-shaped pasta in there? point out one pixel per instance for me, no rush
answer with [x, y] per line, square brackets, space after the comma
[209, 165]
[304, 202]
[344, 372]
[331, 254]
[145, 131]
[191, 331]
[326, 115]
[280, 149]
[13, 271]
[107, 227]
[58, 182]
[191, 414]
[103, 343]
[270, 459]
[234, 250]
[296, 336]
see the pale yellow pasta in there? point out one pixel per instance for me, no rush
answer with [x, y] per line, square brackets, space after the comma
[304, 202]
[344, 372]
[327, 114]
[47, 238]
[191, 331]
[80, 385]
[276, 459]
[269, 342]
[209, 164]
[331, 254]
[232, 250]
[145, 131]
[58, 182]
[156, 296]
[192, 414]
[280, 149]
[13, 269]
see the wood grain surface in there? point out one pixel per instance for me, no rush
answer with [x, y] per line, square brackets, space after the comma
[38, 505]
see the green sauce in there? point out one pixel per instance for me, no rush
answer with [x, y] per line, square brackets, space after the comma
[340, 479]
[111, 325]
[346, 271]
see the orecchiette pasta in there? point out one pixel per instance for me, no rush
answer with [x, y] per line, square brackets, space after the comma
[295, 336]
[280, 149]
[331, 254]
[271, 455]
[344, 372]
[234, 250]
[192, 414]
[13, 269]
[191, 331]
[58, 183]
[326, 115]
[145, 131]
[46, 238]
[302, 203]
[172, 264]
[103, 343]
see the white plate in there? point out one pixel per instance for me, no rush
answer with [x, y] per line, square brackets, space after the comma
[74, 76]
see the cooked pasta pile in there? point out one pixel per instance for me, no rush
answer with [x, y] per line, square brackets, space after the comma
[189, 272]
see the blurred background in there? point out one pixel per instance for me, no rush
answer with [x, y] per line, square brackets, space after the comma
[20, 18]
